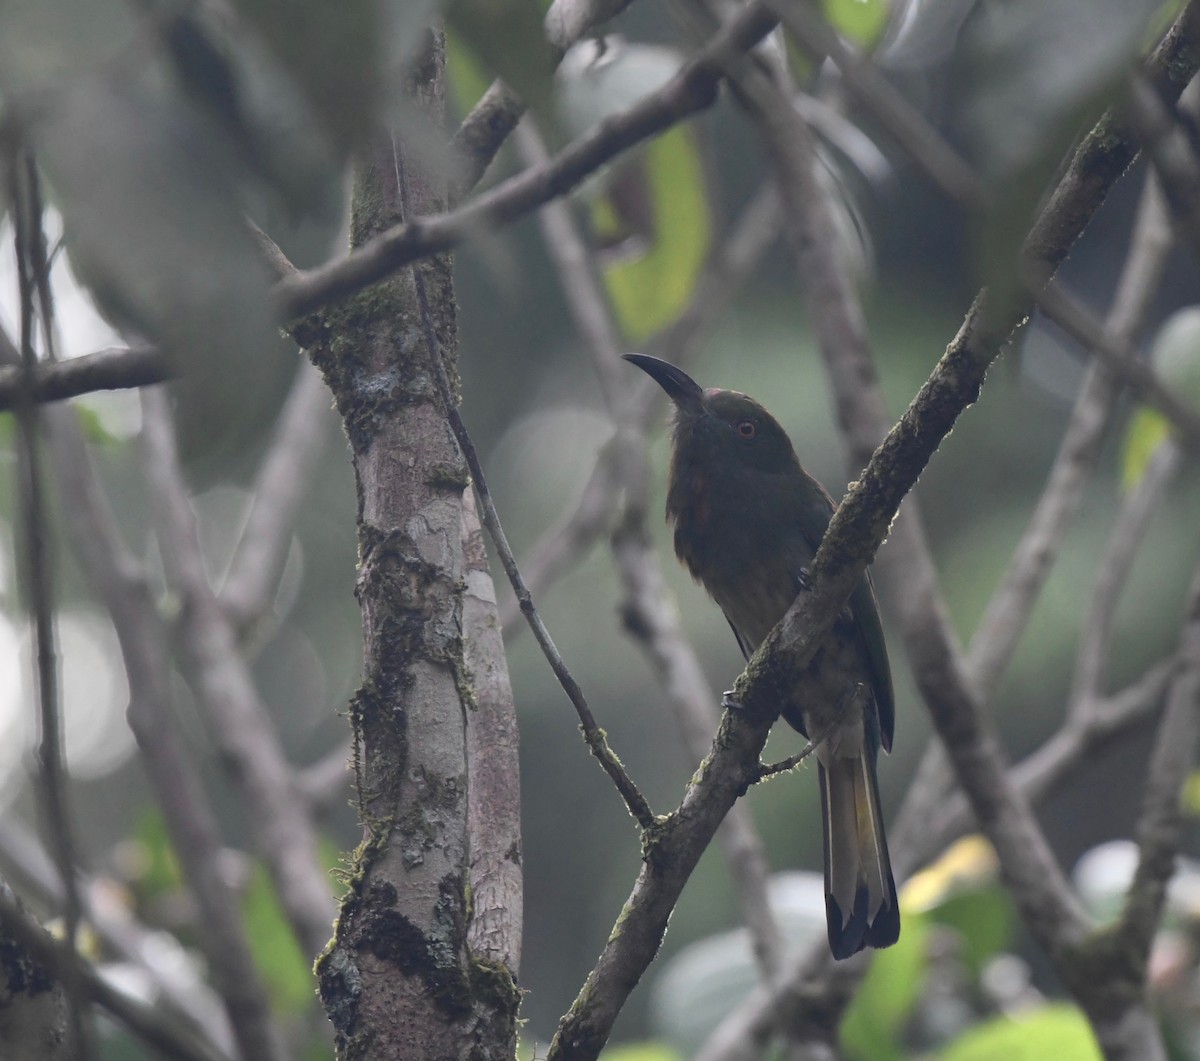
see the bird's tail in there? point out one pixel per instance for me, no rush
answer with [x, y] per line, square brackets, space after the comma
[860, 895]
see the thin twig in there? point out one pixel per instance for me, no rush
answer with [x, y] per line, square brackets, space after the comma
[1072, 747]
[596, 739]
[237, 719]
[1121, 360]
[901, 121]
[783, 766]
[1169, 146]
[176, 984]
[37, 570]
[1112, 570]
[1010, 606]
[691, 90]
[195, 836]
[483, 131]
[1161, 821]
[283, 481]
[731, 263]
[648, 609]
[143, 1019]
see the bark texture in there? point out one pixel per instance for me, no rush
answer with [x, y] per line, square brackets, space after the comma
[399, 980]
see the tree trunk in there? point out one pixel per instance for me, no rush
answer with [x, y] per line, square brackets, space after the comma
[399, 980]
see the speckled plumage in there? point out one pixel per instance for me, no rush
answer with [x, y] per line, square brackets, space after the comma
[748, 520]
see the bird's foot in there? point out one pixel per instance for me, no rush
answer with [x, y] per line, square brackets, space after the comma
[803, 580]
[730, 702]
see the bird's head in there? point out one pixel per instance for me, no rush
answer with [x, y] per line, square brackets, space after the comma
[718, 427]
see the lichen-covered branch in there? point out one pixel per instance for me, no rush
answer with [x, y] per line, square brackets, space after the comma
[399, 980]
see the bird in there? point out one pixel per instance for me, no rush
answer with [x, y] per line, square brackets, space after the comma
[747, 521]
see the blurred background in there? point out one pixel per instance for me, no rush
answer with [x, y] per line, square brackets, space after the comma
[997, 82]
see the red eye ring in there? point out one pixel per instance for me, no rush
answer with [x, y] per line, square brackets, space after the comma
[746, 429]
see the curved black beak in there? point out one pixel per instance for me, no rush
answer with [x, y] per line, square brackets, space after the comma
[684, 391]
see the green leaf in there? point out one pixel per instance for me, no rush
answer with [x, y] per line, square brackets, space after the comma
[1060, 1032]
[508, 38]
[863, 21]
[1191, 795]
[286, 969]
[871, 1027]
[92, 424]
[651, 290]
[645, 1051]
[467, 79]
[983, 918]
[158, 871]
[1147, 430]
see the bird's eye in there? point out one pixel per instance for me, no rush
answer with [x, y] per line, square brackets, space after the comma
[746, 429]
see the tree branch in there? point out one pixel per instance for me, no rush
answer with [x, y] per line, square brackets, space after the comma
[279, 490]
[195, 837]
[691, 90]
[902, 122]
[1012, 603]
[115, 369]
[493, 764]
[1121, 360]
[36, 561]
[1172, 152]
[238, 721]
[1161, 821]
[648, 610]
[1129, 529]
[497, 113]
[731, 263]
[176, 985]
[853, 535]
[143, 1019]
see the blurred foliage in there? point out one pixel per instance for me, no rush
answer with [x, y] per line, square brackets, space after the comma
[334, 54]
[1175, 357]
[466, 79]
[1061, 1032]
[985, 921]
[650, 214]
[159, 127]
[872, 1026]
[507, 37]
[155, 870]
[863, 21]
[286, 969]
[651, 284]
[1191, 795]
[649, 1051]
[1037, 74]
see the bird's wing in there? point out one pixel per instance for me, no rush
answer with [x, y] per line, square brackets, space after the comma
[814, 515]
[865, 609]
[747, 651]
